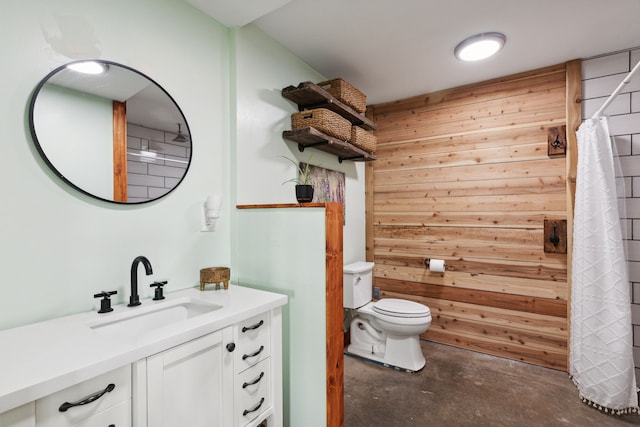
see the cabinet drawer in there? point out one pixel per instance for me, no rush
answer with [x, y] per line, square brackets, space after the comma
[253, 391]
[48, 412]
[116, 416]
[254, 341]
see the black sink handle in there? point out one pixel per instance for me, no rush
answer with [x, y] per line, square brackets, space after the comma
[105, 302]
[158, 295]
[87, 400]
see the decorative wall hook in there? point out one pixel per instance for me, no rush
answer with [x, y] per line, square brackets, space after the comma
[556, 140]
[555, 236]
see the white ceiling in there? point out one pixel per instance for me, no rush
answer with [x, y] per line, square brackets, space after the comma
[392, 49]
[147, 103]
[236, 13]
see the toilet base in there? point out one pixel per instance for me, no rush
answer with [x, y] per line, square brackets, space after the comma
[401, 352]
[386, 365]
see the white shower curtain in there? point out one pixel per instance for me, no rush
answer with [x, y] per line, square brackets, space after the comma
[600, 357]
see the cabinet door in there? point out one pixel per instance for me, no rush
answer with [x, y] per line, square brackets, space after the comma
[191, 384]
[22, 416]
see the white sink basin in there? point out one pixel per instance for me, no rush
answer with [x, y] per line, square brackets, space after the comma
[135, 322]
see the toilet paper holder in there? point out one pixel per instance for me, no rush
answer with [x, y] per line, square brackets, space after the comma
[427, 264]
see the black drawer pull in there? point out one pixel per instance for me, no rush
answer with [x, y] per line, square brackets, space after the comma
[246, 356]
[254, 409]
[250, 328]
[92, 398]
[254, 382]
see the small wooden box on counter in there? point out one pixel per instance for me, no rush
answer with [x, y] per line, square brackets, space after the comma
[215, 275]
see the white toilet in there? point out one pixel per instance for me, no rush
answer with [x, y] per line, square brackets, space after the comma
[386, 331]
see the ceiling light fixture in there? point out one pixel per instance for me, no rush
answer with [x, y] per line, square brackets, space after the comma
[480, 46]
[88, 67]
[181, 137]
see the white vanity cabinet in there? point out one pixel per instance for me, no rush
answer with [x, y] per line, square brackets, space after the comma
[224, 370]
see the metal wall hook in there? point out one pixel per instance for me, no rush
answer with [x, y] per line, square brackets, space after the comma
[555, 236]
[554, 239]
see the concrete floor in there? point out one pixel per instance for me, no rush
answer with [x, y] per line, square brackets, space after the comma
[464, 388]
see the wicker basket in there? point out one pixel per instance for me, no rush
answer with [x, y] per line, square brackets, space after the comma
[325, 121]
[346, 92]
[363, 139]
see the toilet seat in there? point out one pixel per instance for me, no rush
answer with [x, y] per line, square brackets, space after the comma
[400, 308]
[396, 318]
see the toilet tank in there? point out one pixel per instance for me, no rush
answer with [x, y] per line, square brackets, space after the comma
[357, 284]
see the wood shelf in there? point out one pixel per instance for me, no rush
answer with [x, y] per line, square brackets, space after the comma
[311, 137]
[309, 95]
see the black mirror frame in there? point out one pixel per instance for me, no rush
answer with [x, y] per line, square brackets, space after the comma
[59, 174]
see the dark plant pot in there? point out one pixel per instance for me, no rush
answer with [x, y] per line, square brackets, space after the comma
[304, 193]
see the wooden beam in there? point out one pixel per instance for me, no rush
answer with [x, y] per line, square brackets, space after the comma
[119, 151]
[574, 118]
[334, 315]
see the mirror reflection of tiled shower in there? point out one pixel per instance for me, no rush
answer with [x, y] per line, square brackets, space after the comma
[155, 164]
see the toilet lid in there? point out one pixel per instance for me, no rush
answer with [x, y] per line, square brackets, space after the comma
[401, 308]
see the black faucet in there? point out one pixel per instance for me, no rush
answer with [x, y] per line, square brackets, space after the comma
[134, 299]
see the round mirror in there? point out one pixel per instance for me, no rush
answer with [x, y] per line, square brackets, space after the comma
[110, 132]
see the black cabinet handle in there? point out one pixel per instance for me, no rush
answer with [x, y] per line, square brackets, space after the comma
[250, 328]
[231, 346]
[254, 382]
[254, 409]
[86, 400]
[246, 356]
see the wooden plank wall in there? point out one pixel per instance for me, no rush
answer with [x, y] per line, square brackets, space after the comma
[464, 175]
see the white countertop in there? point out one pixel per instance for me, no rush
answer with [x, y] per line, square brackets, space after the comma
[42, 358]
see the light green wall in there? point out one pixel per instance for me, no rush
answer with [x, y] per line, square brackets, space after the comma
[58, 247]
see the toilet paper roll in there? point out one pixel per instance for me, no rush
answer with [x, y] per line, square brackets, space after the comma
[437, 265]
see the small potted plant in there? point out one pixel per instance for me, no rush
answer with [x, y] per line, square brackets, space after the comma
[304, 188]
